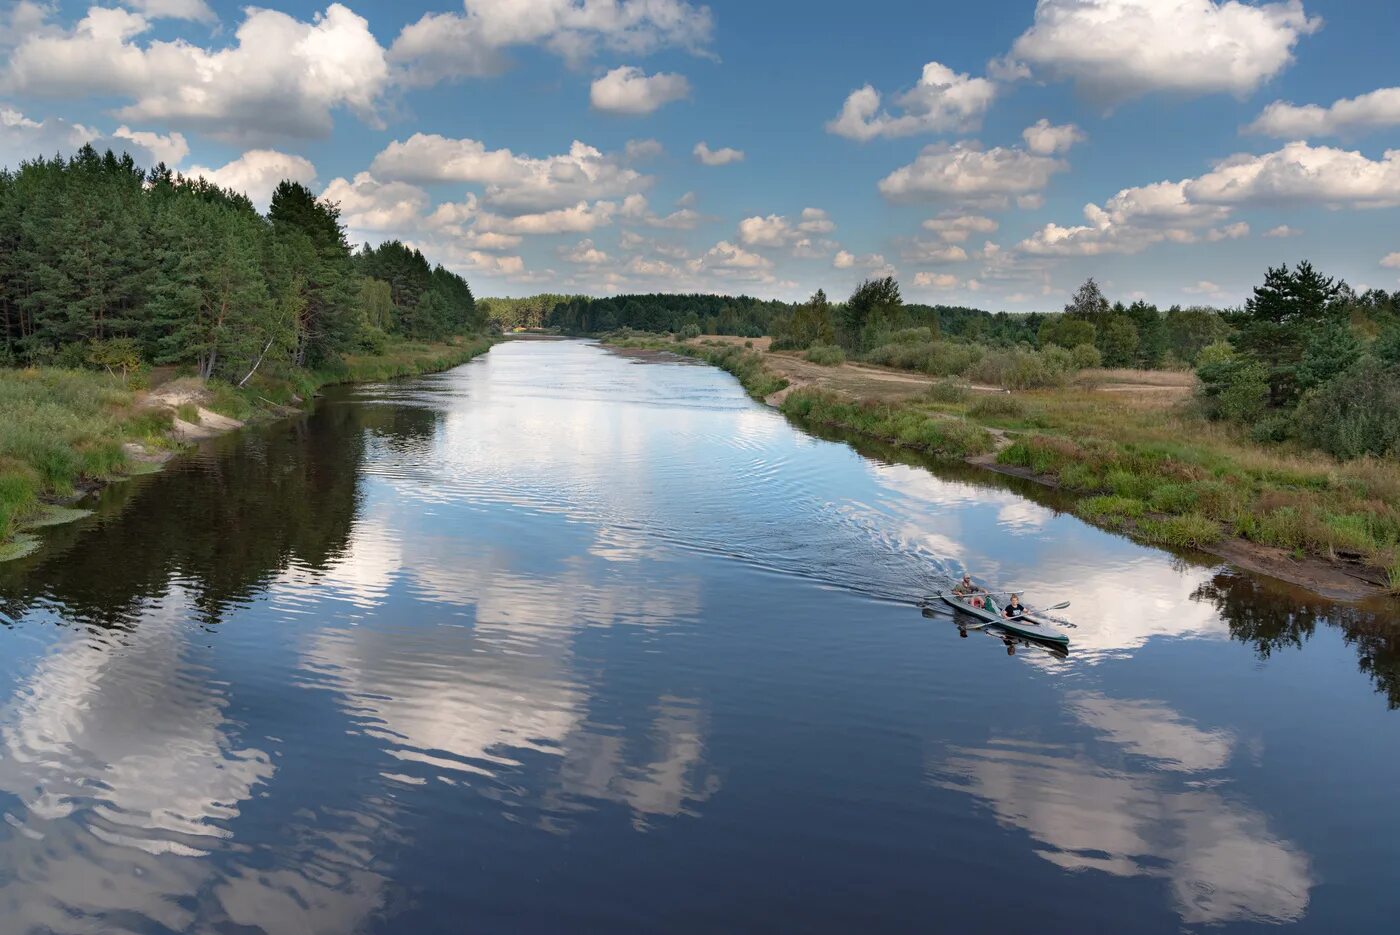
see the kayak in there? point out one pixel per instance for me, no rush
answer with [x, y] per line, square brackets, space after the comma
[1028, 626]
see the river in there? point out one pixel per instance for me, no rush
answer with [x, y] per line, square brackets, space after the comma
[566, 640]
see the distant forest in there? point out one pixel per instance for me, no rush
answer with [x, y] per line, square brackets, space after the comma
[104, 264]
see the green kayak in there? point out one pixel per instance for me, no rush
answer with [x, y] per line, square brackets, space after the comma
[1028, 626]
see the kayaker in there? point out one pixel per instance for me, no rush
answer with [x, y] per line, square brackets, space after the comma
[965, 587]
[1014, 608]
[976, 596]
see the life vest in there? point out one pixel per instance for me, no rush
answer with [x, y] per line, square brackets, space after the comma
[977, 602]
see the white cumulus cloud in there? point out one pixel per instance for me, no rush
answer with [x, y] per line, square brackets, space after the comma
[1115, 50]
[257, 172]
[965, 172]
[1283, 231]
[629, 90]
[173, 9]
[513, 183]
[1300, 173]
[1047, 139]
[583, 253]
[170, 148]
[1378, 110]
[717, 157]
[957, 228]
[1391, 261]
[943, 100]
[282, 77]
[367, 204]
[475, 42]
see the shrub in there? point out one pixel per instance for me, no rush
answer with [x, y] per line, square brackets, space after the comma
[1355, 414]
[937, 358]
[946, 391]
[690, 332]
[998, 407]
[1085, 356]
[1234, 390]
[912, 336]
[1021, 369]
[826, 355]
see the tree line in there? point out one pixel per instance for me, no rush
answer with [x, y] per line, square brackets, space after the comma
[105, 264]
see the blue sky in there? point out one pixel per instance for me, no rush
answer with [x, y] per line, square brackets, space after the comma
[991, 154]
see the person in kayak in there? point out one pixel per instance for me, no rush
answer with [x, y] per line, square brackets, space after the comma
[974, 595]
[1014, 608]
[965, 587]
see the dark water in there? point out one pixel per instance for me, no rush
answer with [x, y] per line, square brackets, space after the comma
[565, 641]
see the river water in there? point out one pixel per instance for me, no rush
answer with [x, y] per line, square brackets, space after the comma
[563, 640]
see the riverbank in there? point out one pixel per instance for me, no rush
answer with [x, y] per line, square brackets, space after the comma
[1128, 446]
[69, 432]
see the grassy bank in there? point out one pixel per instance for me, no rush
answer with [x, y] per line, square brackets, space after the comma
[1169, 476]
[65, 430]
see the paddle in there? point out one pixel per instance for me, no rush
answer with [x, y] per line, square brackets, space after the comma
[994, 623]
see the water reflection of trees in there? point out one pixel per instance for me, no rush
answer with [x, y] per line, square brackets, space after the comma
[1271, 618]
[221, 522]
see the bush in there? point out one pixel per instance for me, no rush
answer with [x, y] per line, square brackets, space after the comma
[936, 358]
[826, 355]
[1021, 369]
[1355, 414]
[998, 407]
[690, 332]
[946, 391]
[371, 340]
[912, 336]
[1234, 389]
[1085, 356]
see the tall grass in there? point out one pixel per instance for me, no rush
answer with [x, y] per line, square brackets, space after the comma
[62, 427]
[826, 355]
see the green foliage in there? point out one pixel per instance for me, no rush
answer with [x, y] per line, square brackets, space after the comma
[1188, 331]
[1085, 356]
[947, 391]
[1234, 389]
[1356, 413]
[826, 355]
[690, 332]
[1280, 320]
[1067, 332]
[936, 358]
[1119, 342]
[1110, 510]
[1024, 369]
[1191, 530]
[811, 323]
[901, 424]
[997, 407]
[1330, 352]
[188, 412]
[874, 308]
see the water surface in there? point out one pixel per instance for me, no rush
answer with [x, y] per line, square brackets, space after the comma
[562, 639]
